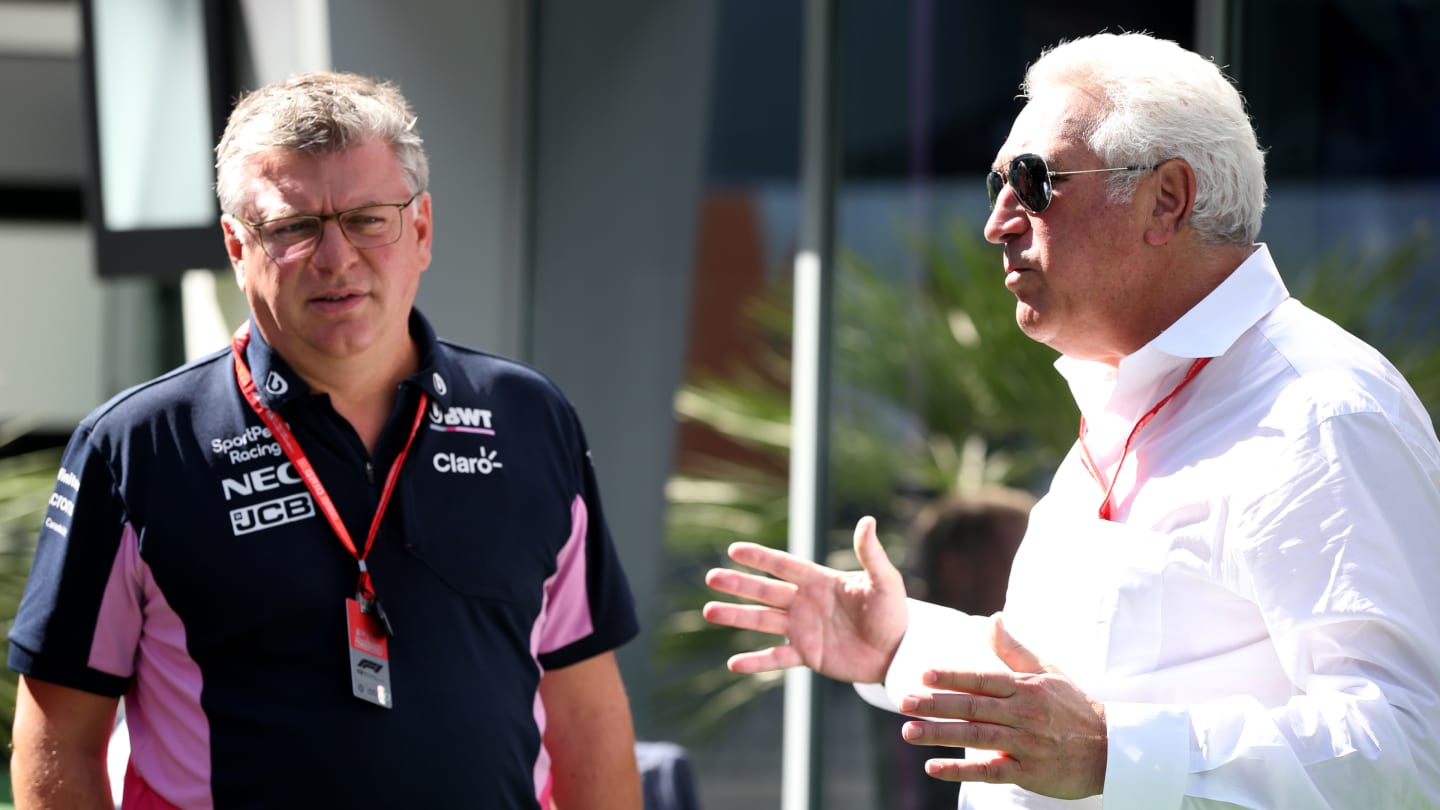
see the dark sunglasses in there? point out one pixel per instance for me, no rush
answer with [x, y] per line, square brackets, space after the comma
[1030, 177]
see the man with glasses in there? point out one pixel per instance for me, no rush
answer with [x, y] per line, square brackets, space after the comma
[245, 548]
[1225, 598]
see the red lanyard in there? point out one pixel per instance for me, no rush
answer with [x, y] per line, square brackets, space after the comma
[1107, 508]
[297, 457]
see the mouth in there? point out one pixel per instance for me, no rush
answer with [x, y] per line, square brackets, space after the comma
[336, 300]
[1014, 277]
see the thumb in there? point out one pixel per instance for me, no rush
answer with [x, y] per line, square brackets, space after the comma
[872, 555]
[1015, 655]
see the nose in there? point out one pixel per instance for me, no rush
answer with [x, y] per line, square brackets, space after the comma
[333, 248]
[1007, 219]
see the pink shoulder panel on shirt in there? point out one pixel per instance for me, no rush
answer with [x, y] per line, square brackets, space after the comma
[564, 617]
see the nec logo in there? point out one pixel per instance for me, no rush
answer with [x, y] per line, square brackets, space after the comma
[270, 514]
[263, 479]
[461, 420]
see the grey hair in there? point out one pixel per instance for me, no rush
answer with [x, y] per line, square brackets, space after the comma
[317, 113]
[1158, 101]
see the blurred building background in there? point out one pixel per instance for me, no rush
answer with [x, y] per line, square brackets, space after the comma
[615, 184]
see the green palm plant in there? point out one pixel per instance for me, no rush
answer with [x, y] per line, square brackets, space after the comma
[26, 480]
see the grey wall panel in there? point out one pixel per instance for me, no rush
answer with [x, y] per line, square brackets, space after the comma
[622, 94]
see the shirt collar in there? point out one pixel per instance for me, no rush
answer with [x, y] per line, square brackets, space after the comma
[435, 375]
[1208, 329]
[275, 382]
[278, 384]
[1212, 326]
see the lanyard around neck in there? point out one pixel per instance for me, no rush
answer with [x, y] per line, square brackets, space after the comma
[1107, 507]
[302, 464]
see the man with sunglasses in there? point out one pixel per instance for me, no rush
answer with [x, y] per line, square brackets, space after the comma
[1224, 599]
[341, 563]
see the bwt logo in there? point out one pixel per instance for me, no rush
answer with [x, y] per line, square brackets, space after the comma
[461, 420]
[263, 479]
[270, 514]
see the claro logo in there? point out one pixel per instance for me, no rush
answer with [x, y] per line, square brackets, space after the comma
[270, 513]
[483, 463]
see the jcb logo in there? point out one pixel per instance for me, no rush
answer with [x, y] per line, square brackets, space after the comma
[269, 514]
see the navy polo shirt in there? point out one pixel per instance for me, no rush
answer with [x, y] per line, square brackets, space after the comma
[184, 565]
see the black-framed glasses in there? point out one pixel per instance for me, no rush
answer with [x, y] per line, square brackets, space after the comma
[293, 238]
[1031, 178]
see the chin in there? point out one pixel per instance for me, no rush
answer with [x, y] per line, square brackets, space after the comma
[341, 343]
[1030, 322]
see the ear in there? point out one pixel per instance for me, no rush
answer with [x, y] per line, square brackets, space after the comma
[234, 247]
[1173, 190]
[424, 229]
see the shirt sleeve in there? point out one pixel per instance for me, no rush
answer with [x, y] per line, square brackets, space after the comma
[589, 606]
[1336, 545]
[76, 609]
[936, 637]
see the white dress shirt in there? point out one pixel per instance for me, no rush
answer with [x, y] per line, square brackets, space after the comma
[1262, 617]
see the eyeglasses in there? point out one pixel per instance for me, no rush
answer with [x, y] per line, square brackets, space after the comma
[1030, 177]
[294, 238]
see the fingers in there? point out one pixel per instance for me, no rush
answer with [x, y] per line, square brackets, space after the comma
[994, 684]
[871, 554]
[774, 562]
[997, 769]
[747, 617]
[1015, 655]
[957, 706]
[956, 735]
[767, 591]
[749, 663]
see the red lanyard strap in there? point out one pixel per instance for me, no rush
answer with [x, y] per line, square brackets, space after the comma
[1107, 508]
[301, 462]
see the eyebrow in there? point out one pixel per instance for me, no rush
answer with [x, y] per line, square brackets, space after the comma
[294, 212]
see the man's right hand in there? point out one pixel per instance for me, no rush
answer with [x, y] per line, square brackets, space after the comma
[842, 624]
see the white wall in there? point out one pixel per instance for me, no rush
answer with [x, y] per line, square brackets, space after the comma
[67, 340]
[51, 318]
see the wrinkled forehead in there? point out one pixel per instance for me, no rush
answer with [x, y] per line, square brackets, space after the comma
[280, 181]
[1055, 126]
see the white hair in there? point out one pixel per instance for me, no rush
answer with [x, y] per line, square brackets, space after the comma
[1158, 101]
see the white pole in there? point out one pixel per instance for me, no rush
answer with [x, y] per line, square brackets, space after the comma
[810, 378]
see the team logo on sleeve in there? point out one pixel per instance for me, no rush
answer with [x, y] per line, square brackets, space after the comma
[62, 503]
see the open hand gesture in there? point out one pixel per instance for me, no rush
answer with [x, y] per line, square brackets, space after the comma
[843, 624]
